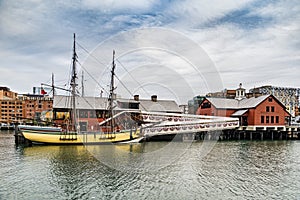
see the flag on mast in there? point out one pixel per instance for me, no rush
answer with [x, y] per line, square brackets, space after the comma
[43, 92]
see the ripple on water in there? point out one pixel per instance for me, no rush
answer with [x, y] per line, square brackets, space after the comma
[231, 170]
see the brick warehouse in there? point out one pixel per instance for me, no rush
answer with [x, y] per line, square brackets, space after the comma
[24, 108]
[255, 113]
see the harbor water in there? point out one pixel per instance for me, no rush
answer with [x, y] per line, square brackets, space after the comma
[152, 170]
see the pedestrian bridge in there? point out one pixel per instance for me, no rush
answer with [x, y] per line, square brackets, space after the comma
[156, 123]
[170, 123]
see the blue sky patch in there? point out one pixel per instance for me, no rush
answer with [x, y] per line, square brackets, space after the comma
[243, 19]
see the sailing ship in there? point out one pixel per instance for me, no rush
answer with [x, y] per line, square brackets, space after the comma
[131, 123]
[69, 133]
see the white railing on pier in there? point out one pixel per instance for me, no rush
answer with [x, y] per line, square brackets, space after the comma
[179, 123]
[156, 123]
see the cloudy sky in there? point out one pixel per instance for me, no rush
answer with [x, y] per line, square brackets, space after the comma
[255, 42]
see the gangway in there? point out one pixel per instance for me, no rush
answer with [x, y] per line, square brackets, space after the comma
[156, 123]
[172, 123]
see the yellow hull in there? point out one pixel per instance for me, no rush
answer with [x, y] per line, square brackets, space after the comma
[89, 138]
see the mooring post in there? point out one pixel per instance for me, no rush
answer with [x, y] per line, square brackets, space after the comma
[280, 135]
[272, 135]
[16, 134]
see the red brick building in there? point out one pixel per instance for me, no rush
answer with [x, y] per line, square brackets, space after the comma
[253, 112]
[25, 108]
[34, 105]
[93, 110]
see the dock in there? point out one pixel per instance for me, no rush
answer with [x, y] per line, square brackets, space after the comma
[198, 127]
[19, 138]
[227, 135]
[4, 126]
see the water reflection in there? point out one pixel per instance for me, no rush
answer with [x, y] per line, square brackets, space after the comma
[75, 173]
[249, 169]
[231, 170]
[145, 157]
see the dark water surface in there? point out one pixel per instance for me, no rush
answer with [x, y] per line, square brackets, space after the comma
[155, 170]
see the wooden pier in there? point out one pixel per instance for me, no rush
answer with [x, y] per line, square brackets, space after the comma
[230, 135]
[20, 139]
[199, 127]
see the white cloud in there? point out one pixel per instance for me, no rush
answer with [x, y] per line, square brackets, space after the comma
[18, 17]
[267, 54]
[111, 6]
[38, 34]
[190, 13]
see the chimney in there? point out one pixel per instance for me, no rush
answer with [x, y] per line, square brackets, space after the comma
[154, 98]
[136, 97]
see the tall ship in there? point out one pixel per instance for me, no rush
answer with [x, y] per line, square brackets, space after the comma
[92, 120]
[68, 130]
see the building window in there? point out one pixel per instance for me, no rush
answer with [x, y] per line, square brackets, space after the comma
[262, 119]
[206, 105]
[93, 114]
[272, 109]
[270, 99]
[101, 113]
[134, 105]
[277, 119]
[267, 109]
[267, 119]
[272, 119]
[83, 114]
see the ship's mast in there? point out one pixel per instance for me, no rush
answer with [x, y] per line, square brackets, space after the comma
[52, 85]
[111, 92]
[82, 84]
[73, 88]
